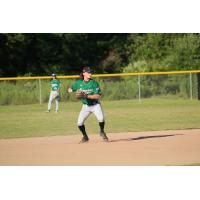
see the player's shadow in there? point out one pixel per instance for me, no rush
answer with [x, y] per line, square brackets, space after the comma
[144, 137]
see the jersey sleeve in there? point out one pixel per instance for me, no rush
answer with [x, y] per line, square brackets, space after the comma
[59, 84]
[75, 86]
[97, 89]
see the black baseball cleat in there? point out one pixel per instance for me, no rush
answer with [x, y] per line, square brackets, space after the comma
[104, 137]
[84, 140]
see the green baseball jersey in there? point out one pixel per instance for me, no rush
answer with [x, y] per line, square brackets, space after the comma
[91, 87]
[55, 84]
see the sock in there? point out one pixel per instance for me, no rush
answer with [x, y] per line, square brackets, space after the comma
[82, 129]
[101, 125]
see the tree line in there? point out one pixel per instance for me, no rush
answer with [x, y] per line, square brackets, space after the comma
[65, 53]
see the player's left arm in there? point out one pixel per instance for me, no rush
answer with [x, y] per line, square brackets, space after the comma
[97, 92]
[93, 96]
[58, 90]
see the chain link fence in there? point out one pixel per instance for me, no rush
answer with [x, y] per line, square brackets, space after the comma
[184, 86]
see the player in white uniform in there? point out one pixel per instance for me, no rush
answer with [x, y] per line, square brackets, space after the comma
[55, 93]
[90, 101]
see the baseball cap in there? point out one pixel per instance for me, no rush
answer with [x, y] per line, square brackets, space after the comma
[87, 69]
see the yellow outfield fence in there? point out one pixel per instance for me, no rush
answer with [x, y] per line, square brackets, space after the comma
[34, 89]
[101, 75]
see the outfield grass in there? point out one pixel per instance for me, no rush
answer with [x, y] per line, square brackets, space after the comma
[193, 164]
[121, 116]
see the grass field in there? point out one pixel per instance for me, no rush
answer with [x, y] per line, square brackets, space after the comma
[121, 116]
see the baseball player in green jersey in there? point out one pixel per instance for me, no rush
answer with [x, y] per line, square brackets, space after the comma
[89, 92]
[55, 92]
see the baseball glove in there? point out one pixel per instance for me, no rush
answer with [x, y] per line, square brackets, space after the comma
[81, 94]
[55, 95]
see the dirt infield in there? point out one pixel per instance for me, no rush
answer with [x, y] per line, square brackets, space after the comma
[178, 147]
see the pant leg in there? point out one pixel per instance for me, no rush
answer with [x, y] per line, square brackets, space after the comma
[50, 101]
[83, 115]
[97, 110]
[57, 104]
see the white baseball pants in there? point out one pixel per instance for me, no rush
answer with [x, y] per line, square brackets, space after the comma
[53, 95]
[87, 110]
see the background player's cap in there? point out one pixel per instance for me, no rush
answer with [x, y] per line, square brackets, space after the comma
[87, 69]
[53, 74]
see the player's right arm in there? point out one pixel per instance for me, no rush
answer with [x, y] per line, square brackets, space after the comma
[74, 87]
[69, 90]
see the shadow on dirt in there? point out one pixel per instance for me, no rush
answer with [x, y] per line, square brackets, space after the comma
[144, 137]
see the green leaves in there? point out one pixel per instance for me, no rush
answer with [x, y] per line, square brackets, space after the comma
[66, 53]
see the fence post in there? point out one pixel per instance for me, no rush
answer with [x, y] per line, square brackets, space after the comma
[40, 92]
[198, 86]
[139, 90]
[190, 86]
